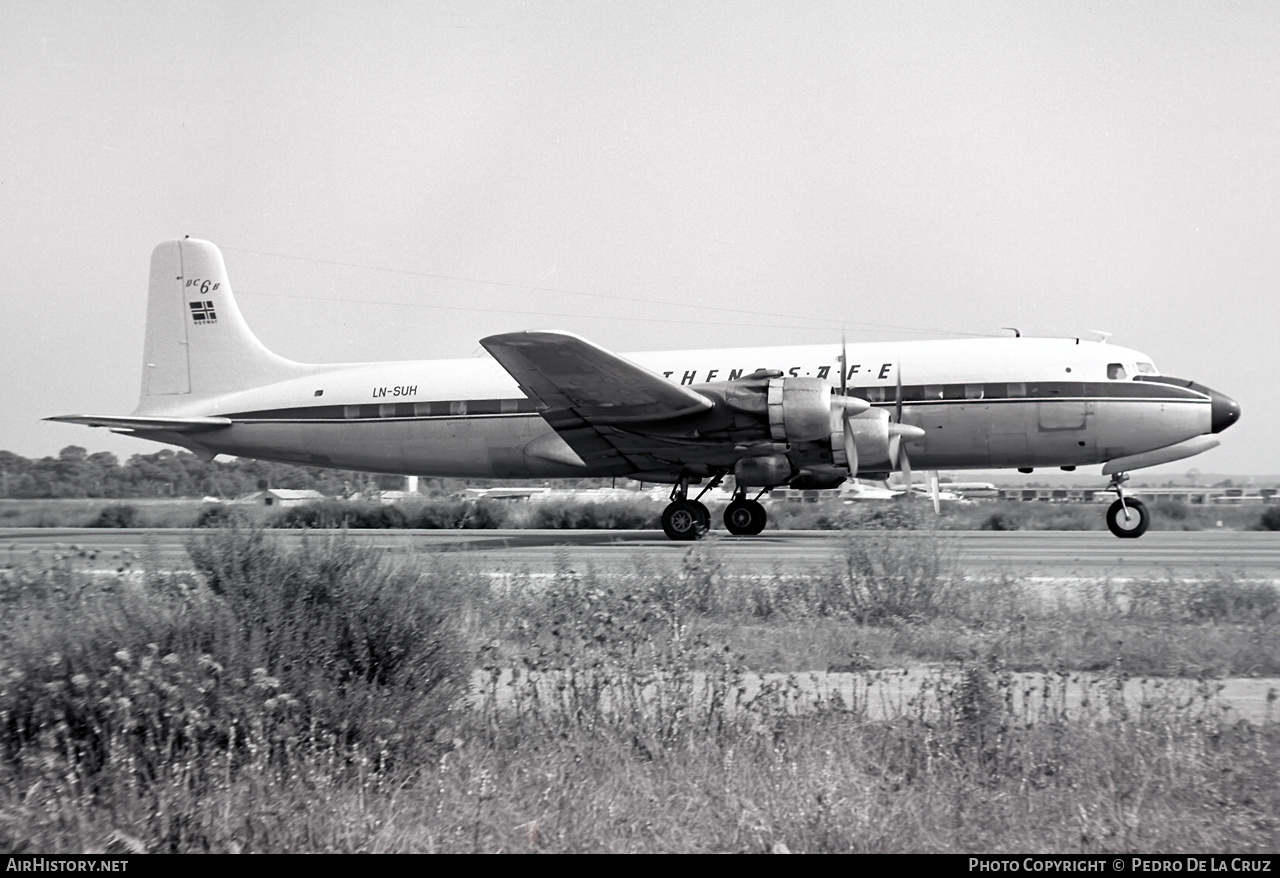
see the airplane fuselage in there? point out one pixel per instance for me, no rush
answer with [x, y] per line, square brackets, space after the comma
[552, 404]
[985, 403]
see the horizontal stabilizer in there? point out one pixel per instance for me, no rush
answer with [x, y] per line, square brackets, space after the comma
[145, 424]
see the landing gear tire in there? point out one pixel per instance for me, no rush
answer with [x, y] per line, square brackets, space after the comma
[745, 517]
[685, 520]
[1132, 526]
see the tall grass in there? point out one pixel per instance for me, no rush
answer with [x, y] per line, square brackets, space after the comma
[145, 687]
[312, 700]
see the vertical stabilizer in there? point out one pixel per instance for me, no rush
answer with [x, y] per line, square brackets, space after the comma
[197, 342]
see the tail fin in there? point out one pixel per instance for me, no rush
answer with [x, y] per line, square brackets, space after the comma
[197, 343]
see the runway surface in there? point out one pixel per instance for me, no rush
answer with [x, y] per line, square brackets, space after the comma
[1038, 554]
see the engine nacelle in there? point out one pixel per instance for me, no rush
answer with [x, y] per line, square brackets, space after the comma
[799, 409]
[804, 417]
[871, 433]
[766, 471]
[818, 481]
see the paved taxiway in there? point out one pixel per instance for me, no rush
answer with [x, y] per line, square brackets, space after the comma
[1039, 554]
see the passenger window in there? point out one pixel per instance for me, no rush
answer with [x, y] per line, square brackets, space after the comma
[1017, 388]
[973, 391]
[1115, 371]
[1147, 368]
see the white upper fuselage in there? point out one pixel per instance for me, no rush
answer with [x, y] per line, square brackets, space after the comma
[880, 364]
[982, 403]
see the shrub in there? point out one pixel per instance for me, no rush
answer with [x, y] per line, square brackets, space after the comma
[1230, 600]
[1270, 518]
[221, 515]
[615, 655]
[1001, 520]
[880, 577]
[610, 514]
[465, 514]
[1174, 510]
[907, 577]
[275, 653]
[367, 647]
[117, 515]
[902, 514]
[334, 514]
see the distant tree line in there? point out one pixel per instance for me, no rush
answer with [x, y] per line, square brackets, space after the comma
[168, 473]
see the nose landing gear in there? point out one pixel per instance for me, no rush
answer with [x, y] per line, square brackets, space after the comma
[1127, 518]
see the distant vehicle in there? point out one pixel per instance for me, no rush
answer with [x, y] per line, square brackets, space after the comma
[553, 405]
[857, 491]
[973, 490]
[922, 491]
[502, 493]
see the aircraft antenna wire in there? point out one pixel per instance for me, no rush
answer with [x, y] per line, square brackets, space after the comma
[811, 322]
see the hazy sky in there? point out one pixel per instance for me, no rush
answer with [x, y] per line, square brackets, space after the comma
[395, 180]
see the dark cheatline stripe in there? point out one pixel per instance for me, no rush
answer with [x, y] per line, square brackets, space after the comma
[1027, 391]
[1030, 391]
[367, 411]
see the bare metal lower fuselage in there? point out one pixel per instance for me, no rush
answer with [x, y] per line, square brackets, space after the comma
[959, 434]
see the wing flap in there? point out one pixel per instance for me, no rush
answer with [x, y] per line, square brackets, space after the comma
[146, 424]
[564, 371]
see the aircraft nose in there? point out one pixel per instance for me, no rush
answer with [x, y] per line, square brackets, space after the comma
[1226, 411]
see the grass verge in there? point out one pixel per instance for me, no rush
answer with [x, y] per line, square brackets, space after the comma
[307, 700]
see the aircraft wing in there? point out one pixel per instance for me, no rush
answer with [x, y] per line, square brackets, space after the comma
[169, 425]
[597, 401]
[564, 371]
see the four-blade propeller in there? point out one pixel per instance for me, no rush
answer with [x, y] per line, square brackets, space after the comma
[846, 417]
[899, 433]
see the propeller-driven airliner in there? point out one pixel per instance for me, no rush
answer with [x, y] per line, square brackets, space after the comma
[550, 405]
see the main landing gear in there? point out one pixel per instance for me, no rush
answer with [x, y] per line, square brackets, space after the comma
[1127, 518]
[686, 519]
[744, 517]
